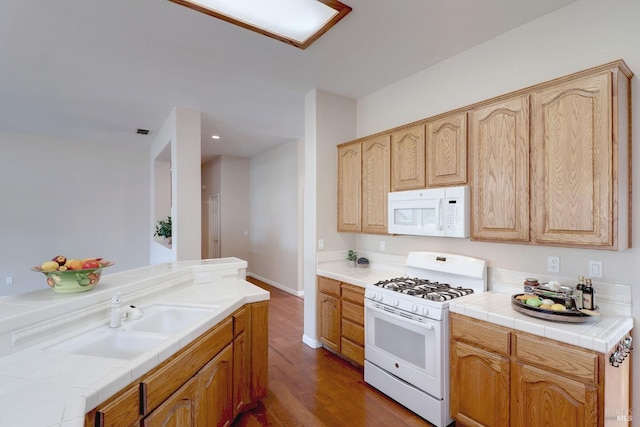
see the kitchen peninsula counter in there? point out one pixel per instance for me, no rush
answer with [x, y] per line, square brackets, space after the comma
[40, 386]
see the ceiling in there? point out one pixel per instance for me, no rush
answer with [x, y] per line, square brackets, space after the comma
[98, 70]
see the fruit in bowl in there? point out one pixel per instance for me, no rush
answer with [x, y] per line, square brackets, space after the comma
[72, 275]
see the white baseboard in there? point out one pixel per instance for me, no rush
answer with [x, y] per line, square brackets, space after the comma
[277, 285]
[313, 343]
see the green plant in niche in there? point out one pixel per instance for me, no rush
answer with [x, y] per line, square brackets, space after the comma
[163, 228]
[352, 255]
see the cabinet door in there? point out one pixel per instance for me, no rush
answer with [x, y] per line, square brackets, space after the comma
[241, 360]
[447, 151]
[179, 410]
[499, 144]
[215, 382]
[408, 164]
[540, 398]
[479, 387]
[330, 321]
[376, 153]
[573, 163]
[349, 187]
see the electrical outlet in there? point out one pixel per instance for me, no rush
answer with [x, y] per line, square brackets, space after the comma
[383, 246]
[553, 264]
[9, 280]
[595, 269]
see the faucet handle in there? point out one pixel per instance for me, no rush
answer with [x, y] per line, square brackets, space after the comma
[117, 299]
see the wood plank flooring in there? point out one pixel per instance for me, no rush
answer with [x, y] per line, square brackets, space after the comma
[313, 387]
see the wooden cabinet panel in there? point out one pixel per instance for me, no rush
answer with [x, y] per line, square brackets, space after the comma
[573, 162]
[485, 335]
[163, 381]
[329, 286]
[353, 312]
[446, 145]
[330, 321]
[259, 342]
[177, 411]
[349, 187]
[122, 410]
[500, 161]
[408, 163]
[241, 360]
[354, 294]
[570, 361]
[541, 398]
[375, 184]
[215, 384]
[353, 351]
[479, 386]
[353, 332]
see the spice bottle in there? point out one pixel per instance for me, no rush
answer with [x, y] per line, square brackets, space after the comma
[530, 284]
[587, 296]
[580, 293]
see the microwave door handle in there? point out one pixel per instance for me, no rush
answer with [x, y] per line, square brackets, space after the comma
[440, 214]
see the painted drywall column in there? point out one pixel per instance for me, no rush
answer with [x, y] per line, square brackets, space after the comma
[180, 132]
[329, 120]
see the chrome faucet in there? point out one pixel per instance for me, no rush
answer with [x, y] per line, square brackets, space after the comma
[118, 313]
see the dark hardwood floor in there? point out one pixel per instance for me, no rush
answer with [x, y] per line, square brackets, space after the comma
[313, 387]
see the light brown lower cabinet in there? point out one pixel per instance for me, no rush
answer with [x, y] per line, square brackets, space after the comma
[341, 318]
[220, 374]
[503, 377]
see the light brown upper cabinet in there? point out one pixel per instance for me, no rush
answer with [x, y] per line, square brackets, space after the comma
[349, 187]
[376, 164]
[500, 162]
[363, 184]
[408, 159]
[446, 145]
[580, 162]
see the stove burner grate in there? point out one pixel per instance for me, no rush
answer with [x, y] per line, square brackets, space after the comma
[424, 288]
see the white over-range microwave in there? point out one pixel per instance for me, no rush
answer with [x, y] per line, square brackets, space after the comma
[430, 212]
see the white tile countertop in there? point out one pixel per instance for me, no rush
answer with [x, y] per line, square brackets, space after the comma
[382, 267]
[42, 387]
[598, 333]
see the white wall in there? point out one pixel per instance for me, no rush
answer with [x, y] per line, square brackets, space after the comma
[329, 120]
[582, 35]
[72, 198]
[273, 191]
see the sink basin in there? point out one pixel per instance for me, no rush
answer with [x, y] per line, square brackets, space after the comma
[112, 343]
[169, 319]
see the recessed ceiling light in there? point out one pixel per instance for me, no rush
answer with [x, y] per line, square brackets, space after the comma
[215, 136]
[296, 22]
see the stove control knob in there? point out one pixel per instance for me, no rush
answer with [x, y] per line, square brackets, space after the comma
[414, 308]
[425, 311]
[379, 297]
[396, 302]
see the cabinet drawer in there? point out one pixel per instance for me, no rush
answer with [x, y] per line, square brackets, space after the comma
[239, 321]
[354, 294]
[163, 381]
[121, 410]
[353, 312]
[551, 355]
[353, 351]
[481, 334]
[353, 332]
[329, 286]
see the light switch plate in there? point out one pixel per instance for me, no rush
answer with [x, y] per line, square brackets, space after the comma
[595, 269]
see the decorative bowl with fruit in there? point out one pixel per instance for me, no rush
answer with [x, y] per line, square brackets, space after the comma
[68, 276]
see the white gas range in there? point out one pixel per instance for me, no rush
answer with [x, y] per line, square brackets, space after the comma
[407, 330]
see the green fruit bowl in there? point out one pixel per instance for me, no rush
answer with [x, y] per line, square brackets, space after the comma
[74, 281]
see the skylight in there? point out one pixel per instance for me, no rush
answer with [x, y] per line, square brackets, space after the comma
[296, 22]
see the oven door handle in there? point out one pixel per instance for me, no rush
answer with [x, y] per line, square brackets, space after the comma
[400, 318]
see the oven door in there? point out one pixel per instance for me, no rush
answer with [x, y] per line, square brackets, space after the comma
[409, 349]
